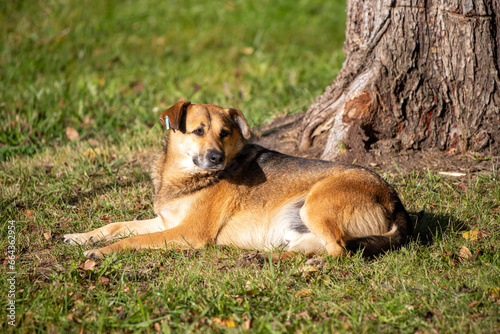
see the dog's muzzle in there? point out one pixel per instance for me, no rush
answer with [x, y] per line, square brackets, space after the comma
[213, 160]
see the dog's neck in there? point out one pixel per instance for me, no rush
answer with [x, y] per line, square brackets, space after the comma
[176, 183]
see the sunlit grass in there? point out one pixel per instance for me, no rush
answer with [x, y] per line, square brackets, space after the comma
[106, 68]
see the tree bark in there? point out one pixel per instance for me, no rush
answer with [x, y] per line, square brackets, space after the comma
[417, 74]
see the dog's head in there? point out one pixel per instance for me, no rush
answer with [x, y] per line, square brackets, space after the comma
[204, 137]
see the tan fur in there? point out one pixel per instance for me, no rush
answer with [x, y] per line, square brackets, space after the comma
[212, 187]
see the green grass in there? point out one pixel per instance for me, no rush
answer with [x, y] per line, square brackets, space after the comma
[107, 69]
[425, 286]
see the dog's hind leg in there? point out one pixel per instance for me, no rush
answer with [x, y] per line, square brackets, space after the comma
[116, 230]
[345, 207]
[324, 225]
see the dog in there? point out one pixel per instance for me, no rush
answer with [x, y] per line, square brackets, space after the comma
[212, 186]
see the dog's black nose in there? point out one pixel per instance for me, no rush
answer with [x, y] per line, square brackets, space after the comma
[216, 157]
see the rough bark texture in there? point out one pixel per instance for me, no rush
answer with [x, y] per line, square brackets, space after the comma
[417, 74]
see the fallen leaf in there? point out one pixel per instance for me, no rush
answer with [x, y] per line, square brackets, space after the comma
[91, 154]
[464, 253]
[104, 280]
[93, 142]
[250, 258]
[29, 213]
[303, 293]
[225, 322]
[72, 134]
[308, 269]
[47, 235]
[247, 50]
[473, 304]
[87, 265]
[247, 324]
[303, 315]
[72, 317]
[475, 235]
[493, 293]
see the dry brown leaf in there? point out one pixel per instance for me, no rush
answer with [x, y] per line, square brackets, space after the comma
[93, 142]
[303, 315]
[103, 280]
[473, 304]
[29, 213]
[247, 50]
[303, 293]
[308, 269]
[72, 317]
[87, 265]
[72, 134]
[247, 324]
[47, 235]
[464, 253]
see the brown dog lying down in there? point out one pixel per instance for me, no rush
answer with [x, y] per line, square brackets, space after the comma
[213, 187]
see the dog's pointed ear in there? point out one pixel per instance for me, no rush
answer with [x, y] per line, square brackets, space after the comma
[240, 120]
[175, 115]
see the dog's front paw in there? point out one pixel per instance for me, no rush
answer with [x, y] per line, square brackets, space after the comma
[77, 239]
[93, 254]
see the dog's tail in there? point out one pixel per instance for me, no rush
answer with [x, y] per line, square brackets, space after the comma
[399, 234]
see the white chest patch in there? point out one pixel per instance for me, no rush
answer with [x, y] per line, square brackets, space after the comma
[174, 212]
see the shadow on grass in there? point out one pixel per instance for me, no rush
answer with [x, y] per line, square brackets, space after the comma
[79, 195]
[429, 226]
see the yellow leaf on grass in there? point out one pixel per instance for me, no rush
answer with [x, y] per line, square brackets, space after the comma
[92, 153]
[225, 322]
[475, 235]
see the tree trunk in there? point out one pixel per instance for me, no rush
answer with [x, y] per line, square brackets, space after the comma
[417, 74]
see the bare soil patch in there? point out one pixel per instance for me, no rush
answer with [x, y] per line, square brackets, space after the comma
[282, 135]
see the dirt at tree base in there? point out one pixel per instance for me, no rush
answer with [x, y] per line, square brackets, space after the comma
[283, 135]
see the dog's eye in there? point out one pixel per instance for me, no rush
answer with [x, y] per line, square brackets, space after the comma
[199, 132]
[224, 134]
